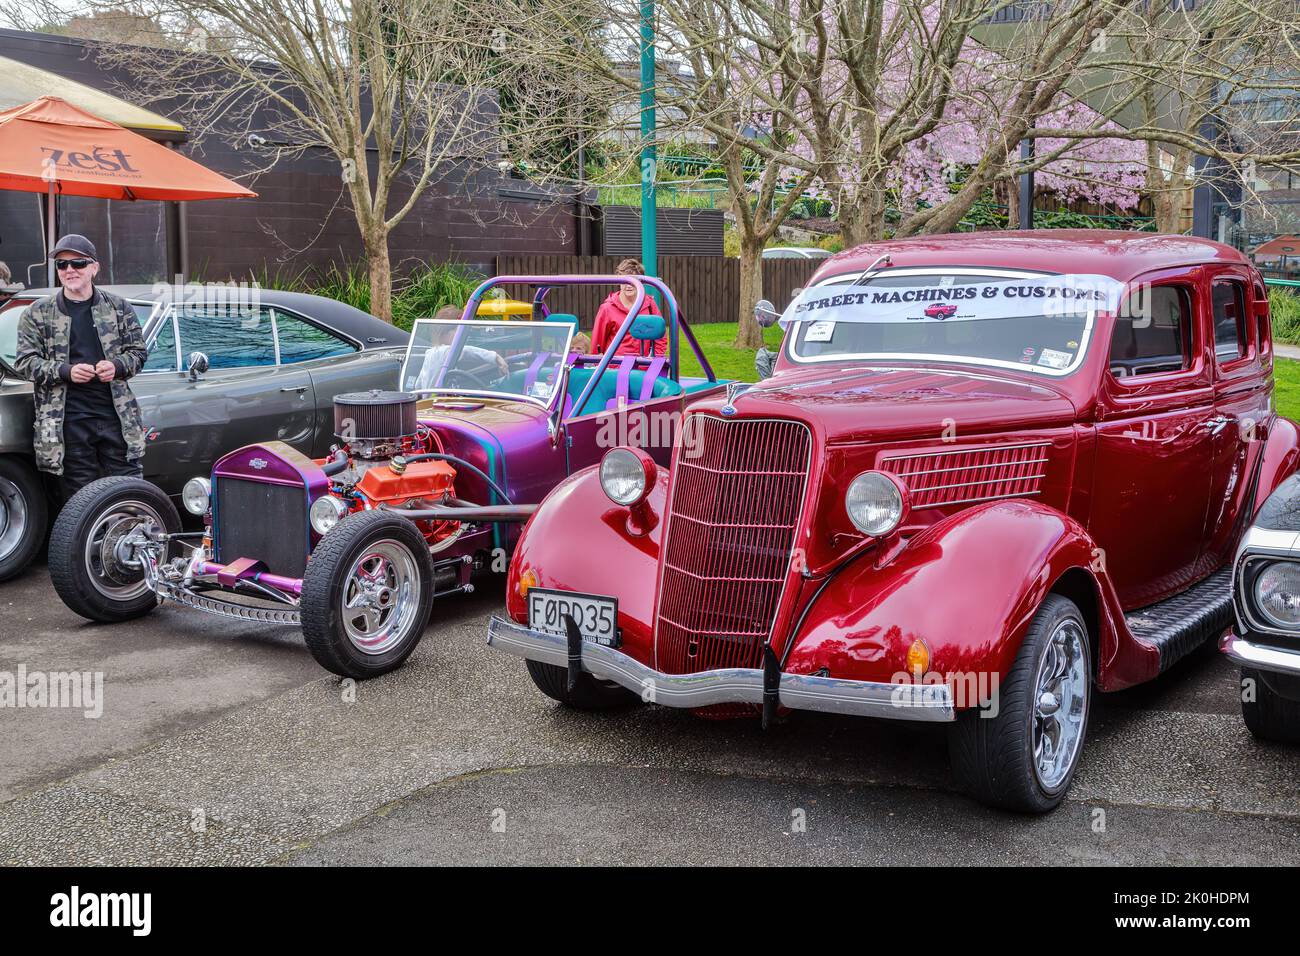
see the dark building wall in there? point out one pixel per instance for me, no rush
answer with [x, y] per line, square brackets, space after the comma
[301, 218]
[678, 232]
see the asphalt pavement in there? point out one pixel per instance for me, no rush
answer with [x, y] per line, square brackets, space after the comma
[224, 742]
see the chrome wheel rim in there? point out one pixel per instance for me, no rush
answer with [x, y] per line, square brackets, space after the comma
[113, 570]
[13, 517]
[1060, 704]
[381, 597]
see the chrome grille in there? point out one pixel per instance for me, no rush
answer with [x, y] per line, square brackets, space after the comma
[734, 511]
[975, 474]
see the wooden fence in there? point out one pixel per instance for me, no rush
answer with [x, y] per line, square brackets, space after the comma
[707, 287]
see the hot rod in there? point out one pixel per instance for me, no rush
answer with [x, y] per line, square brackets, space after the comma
[978, 514]
[424, 485]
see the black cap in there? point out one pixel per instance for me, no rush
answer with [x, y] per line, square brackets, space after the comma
[75, 243]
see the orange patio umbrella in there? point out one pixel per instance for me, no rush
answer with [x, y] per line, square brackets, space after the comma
[49, 145]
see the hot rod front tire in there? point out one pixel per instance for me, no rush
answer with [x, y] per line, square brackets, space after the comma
[86, 568]
[367, 594]
[1025, 756]
[589, 694]
[1270, 715]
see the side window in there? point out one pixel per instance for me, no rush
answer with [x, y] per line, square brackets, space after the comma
[302, 342]
[1153, 332]
[229, 340]
[1228, 300]
[162, 357]
[1263, 331]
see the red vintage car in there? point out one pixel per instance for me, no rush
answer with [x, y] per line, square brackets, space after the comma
[980, 520]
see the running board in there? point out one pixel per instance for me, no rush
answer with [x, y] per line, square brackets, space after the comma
[1180, 624]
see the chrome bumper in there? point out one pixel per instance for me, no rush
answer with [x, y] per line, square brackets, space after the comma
[1260, 656]
[931, 702]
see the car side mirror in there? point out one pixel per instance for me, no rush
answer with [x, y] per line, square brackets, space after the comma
[198, 365]
[765, 314]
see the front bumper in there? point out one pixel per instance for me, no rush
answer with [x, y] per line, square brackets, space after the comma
[170, 585]
[929, 702]
[1262, 657]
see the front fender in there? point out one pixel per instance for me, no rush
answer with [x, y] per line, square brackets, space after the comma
[968, 587]
[579, 540]
[1281, 458]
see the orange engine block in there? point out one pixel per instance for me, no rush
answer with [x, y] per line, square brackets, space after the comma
[421, 479]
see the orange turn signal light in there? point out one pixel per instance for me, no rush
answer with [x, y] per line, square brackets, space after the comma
[918, 657]
[527, 581]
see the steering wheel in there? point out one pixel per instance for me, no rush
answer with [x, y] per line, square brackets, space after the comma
[481, 376]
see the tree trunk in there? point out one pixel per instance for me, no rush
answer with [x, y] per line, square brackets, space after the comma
[381, 273]
[1012, 188]
[748, 334]
[862, 221]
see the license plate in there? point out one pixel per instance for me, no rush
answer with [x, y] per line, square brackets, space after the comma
[595, 614]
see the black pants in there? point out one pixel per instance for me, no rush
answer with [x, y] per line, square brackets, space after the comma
[93, 447]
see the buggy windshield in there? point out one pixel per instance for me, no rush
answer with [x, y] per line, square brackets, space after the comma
[520, 359]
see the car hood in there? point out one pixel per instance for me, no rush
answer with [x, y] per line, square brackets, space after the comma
[856, 404]
[507, 439]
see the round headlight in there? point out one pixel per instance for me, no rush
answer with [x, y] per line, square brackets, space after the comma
[325, 513]
[627, 475]
[1277, 594]
[875, 503]
[196, 495]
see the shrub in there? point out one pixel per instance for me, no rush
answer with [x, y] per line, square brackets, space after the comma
[1284, 310]
[431, 287]
[422, 293]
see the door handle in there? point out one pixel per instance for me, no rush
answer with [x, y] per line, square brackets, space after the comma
[1216, 424]
[300, 389]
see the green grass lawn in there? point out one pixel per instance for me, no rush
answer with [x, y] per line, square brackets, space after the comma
[715, 339]
[1286, 375]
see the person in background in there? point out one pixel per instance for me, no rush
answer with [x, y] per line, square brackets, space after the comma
[79, 347]
[7, 288]
[612, 312]
[439, 350]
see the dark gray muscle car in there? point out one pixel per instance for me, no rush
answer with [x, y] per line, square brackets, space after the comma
[216, 379]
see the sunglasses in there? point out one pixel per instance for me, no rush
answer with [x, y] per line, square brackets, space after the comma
[62, 264]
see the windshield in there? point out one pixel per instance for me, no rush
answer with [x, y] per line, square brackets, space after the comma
[505, 358]
[9, 314]
[1035, 323]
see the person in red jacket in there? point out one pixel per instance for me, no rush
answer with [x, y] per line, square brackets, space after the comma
[612, 312]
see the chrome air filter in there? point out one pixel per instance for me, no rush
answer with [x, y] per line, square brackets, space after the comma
[374, 416]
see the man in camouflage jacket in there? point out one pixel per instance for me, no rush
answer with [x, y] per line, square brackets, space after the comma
[78, 347]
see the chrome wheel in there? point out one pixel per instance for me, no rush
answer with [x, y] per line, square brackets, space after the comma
[13, 517]
[381, 596]
[1060, 704]
[109, 554]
